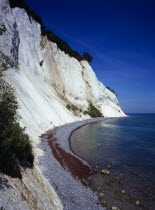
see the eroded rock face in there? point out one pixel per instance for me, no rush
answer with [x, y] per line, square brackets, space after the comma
[45, 79]
[78, 82]
[32, 192]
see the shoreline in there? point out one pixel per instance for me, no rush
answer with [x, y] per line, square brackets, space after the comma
[77, 125]
[65, 170]
[70, 158]
[72, 177]
[69, 139]
[114, 184]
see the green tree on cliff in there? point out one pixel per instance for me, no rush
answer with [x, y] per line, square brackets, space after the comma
[15, 146]
[87, 57]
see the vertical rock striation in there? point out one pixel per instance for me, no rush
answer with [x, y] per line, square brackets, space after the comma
[45, 80]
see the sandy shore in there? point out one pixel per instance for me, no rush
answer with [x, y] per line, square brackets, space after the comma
[64, 169]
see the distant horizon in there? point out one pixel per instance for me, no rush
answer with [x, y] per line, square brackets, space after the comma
[119, 36]
[140, 113]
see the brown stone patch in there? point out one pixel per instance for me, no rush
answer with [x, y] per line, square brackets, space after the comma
[76, 167]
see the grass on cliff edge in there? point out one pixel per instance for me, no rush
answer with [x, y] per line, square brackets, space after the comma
[15, 145]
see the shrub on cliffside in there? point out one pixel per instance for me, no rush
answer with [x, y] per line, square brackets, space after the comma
[111, 90]
[15, 146]
[93, 111]
[87, 57]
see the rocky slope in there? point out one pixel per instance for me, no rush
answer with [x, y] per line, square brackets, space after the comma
[45, 81]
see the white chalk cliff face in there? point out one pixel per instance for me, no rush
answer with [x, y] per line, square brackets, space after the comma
[45, 79]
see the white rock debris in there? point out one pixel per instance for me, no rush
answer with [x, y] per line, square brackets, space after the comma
[45, 79]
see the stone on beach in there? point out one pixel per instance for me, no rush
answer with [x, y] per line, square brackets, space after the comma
[123, 191]
[106, 172]
[137, 203]
[114, 208]
[101, 194]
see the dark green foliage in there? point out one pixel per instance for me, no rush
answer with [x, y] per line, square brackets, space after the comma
[41, 63]
[72, 107]
[2, 30]
[15, 146]
[87, 57]
[30, 12]
[93, 111]
[85, 112]
[62, 45]
[111, 90]
[68, 106]
[8, 105]
[4, 66]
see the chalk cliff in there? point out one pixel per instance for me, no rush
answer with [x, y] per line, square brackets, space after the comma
[45, 80]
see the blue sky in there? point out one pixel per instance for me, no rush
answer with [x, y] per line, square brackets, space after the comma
[119, 34]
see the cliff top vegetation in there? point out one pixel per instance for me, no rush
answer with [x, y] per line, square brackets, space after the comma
[62, 45]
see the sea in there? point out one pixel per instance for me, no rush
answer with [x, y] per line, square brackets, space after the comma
[126, 148]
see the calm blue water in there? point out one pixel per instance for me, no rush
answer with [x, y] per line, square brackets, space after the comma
[127, 144]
